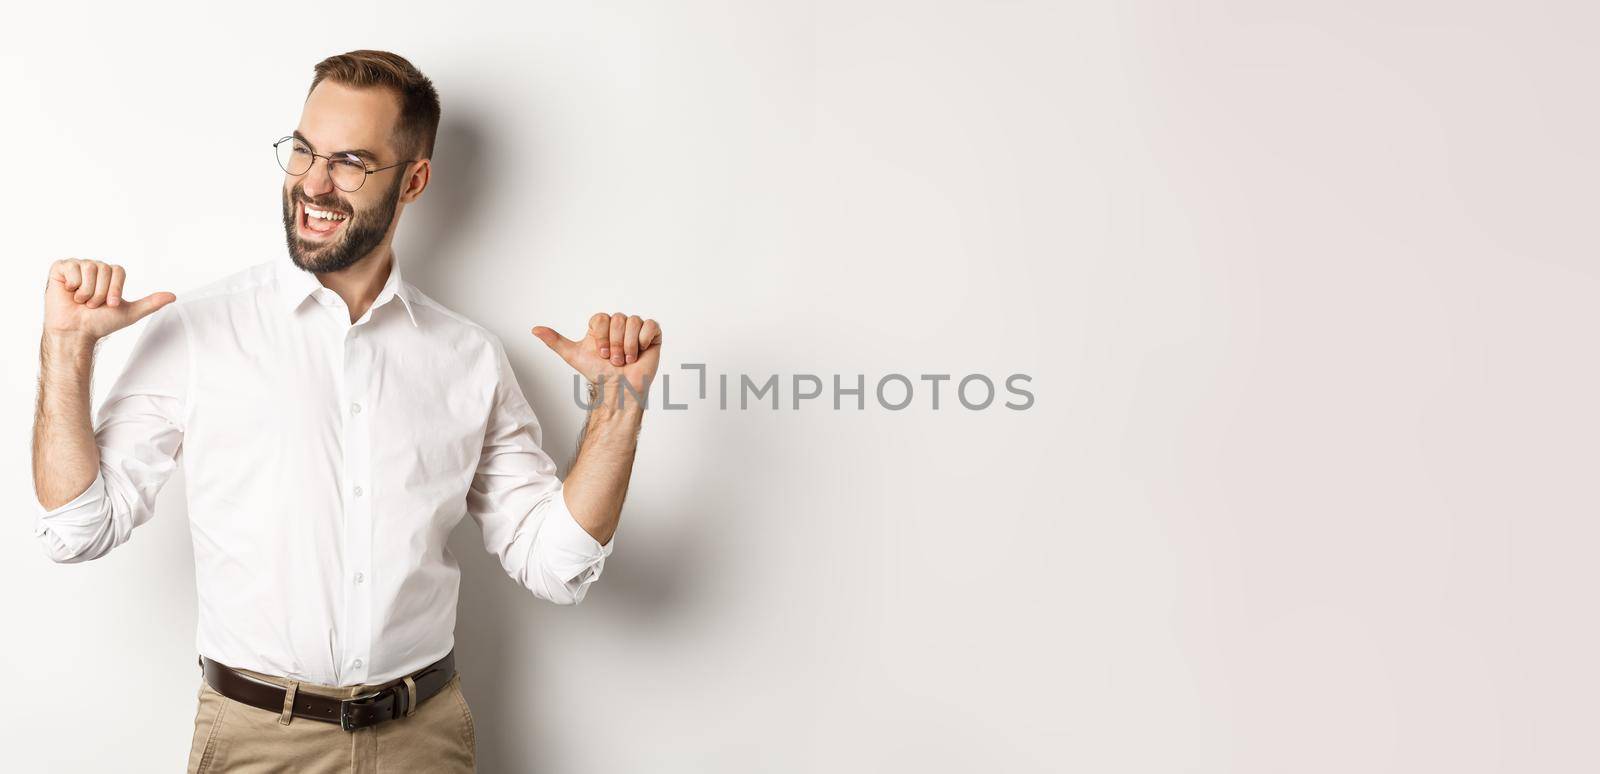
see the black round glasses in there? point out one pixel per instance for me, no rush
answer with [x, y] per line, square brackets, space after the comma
[347, 171]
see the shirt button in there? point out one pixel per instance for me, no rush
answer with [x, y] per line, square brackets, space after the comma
[360, 577]
[358, 491]
[356, 663]
[355, 408]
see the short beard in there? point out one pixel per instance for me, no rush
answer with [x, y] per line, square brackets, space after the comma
[362, 233]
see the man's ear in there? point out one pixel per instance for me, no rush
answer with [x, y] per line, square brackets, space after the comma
[416, 181]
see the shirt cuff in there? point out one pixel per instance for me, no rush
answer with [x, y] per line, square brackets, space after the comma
[569, 546]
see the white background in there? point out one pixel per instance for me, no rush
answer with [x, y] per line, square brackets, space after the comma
[1307, 291]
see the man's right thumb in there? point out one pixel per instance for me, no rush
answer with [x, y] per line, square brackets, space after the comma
[149, 304]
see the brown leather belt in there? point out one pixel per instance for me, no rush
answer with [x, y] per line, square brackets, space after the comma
[368, 709]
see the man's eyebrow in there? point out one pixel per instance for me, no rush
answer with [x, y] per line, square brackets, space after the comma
[362, 152]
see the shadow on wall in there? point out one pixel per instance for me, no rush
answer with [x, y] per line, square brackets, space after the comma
[505, 662]
[502, 660]
[429, 241]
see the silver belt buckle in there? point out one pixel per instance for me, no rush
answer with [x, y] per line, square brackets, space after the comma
[346, 722]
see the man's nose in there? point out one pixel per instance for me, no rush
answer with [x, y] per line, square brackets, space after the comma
[317, 181]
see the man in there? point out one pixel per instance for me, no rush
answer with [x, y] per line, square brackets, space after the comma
[334, 424]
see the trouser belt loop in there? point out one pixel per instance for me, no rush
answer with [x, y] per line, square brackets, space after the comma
[411, 696]
[288, 702]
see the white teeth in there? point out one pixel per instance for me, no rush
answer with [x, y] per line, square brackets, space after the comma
[323, 215]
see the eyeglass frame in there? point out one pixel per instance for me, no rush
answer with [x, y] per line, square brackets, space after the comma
[347, 154]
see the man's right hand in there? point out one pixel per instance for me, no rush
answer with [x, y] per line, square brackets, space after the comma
[83, 299]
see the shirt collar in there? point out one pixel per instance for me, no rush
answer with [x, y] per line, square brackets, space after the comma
[295, 284]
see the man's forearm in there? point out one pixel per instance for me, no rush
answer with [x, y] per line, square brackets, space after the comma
[598, 482]
[65, 457]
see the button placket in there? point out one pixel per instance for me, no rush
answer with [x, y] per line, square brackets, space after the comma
[358, 503]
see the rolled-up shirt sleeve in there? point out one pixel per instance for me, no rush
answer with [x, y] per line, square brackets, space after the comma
[518, 502]
[139, 431]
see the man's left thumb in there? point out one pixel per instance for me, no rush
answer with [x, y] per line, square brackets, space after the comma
[561, 344]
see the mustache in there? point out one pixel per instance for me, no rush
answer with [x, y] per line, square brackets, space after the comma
[327, 202]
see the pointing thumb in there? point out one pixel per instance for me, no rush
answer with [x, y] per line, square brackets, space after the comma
[149, 304]
[561, 344]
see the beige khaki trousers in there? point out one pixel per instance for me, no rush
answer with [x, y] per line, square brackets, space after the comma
[233, 737]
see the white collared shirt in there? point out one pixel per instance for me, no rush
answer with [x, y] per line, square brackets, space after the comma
[326, 464]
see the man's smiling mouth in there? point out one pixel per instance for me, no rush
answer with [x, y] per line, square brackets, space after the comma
[318, 223]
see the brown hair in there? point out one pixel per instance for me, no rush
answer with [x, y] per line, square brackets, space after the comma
[419, 102]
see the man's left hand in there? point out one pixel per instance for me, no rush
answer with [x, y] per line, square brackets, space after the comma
[618, 346]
